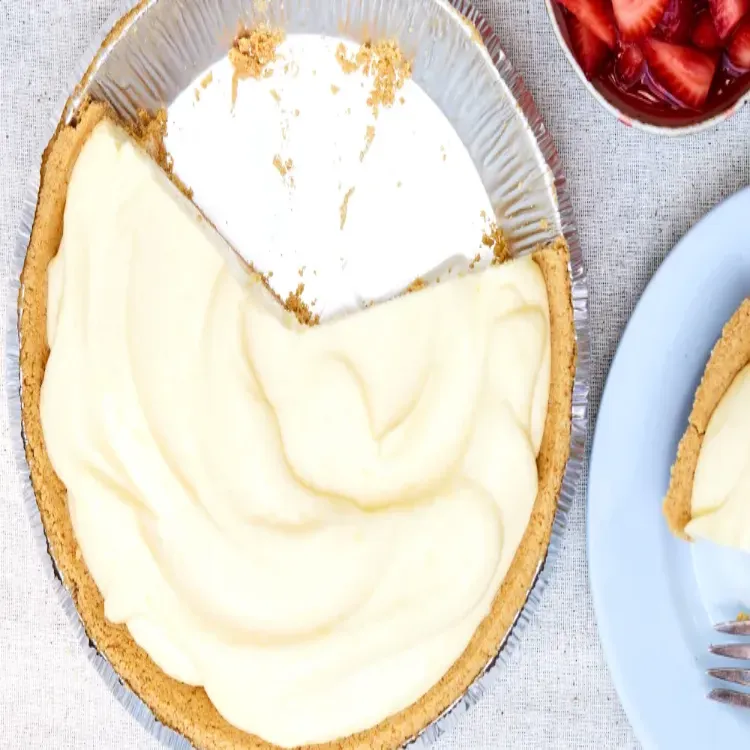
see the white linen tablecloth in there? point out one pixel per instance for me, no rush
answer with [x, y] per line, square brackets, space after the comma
[634, 195]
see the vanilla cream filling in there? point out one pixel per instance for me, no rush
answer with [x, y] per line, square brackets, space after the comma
[311, 523]
[721, 488]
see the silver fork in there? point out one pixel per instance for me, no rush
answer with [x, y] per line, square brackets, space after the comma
[737, 676]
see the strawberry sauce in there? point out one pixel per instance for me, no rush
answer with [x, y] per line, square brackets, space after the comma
[660, 93]
[647, 101]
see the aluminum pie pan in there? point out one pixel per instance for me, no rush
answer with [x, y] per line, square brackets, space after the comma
[150, 51]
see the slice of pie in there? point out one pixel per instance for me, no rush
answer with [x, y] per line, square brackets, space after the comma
[710, 483]
[278, 534]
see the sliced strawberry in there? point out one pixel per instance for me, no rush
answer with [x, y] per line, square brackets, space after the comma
[638, 18]
[727, 14]
[704, 34]
[677, 22]
[684, 72]
[590, 51]
[739, 48]
[629, 64]
[596, 16]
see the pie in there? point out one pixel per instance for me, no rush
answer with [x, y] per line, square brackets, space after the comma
[183, 430]
[708, 491]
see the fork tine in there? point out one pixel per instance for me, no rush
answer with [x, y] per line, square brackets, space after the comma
[737, 676]
[730, 697]
[732, 650]
[734, 627]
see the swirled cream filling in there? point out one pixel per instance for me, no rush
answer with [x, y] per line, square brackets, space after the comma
[721, 488]
[311, 523]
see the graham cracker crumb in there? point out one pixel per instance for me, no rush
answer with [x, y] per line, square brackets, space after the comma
[284, 167]
[387, 65]
[347, 65]
[345, 206]
[743, 617]
[369, 137]
[275, 95]
[544, 225]
[495, 238]
[197, 93]
[252, 51]
[335, 89]
[150, 130]
[416, 285]
[476, 260]
[206, 80]
[296, 113]
[295, 304]
[301, 271]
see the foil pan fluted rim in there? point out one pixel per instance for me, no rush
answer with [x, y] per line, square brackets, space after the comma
[123, 17]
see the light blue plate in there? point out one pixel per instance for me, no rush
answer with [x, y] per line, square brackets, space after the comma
[656, 597]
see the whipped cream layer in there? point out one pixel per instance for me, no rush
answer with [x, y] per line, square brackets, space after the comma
[311, 523]
[721, 488]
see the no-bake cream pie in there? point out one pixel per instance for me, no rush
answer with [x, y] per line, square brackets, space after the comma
[710, 482]
[281, 534]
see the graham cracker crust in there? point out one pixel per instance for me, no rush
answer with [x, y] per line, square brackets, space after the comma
[187, 709]
[729, 356]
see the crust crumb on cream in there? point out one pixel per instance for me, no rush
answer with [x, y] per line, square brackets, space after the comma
[150, 131]
[251, 53]
[495, 239]
[344, 208]
[299, 308]
[369, 138]
[284, 167]
[387, 65]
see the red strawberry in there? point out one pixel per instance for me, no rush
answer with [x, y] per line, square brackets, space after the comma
[629, 64]
[590, 51]
[684, 72]
[638, 18]
[677, 21]
[704, 34]
[727, 14]
[739, 48]
[596, 15]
